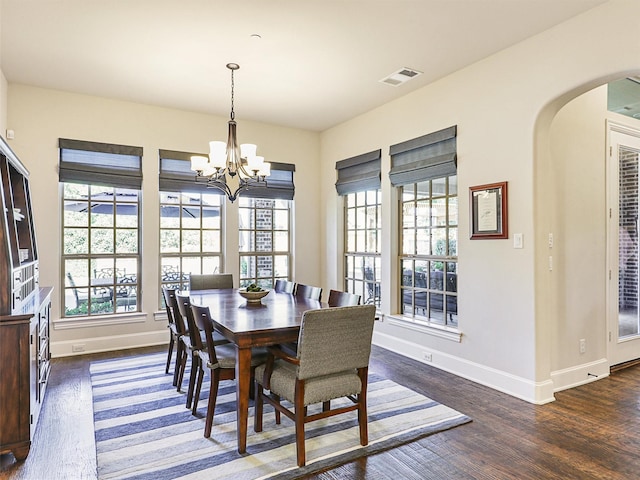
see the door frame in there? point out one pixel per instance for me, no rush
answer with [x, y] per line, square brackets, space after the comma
[627, 349]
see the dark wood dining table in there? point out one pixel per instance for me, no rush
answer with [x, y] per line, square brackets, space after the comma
[276, 319]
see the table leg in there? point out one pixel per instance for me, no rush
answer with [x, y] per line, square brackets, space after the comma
[243, 383]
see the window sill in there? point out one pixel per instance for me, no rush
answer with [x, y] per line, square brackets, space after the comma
[422, 326]
[99, 320]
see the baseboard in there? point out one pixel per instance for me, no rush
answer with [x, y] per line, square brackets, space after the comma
[533, 392]
[623, 365]
[580, 374]
[81, 346]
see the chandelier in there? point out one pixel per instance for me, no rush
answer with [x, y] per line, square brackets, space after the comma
[229, 168]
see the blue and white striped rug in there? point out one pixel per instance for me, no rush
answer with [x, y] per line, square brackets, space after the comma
[144, 431]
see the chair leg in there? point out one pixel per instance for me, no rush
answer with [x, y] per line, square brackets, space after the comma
[211, 405]
[299, 414]
[362, 408]
[183, 367]
[169, 353]
[176, 370]
[277, 412]
[192, 378]
[196, 397]
[258, 407]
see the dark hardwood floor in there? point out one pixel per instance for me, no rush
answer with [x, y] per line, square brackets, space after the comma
[589, 432]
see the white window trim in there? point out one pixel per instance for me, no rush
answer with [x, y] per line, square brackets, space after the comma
[67, 323]
[423, 326]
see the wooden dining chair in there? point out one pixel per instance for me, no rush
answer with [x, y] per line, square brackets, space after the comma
[342, 299]
[220, 360]
[193, 341]
[284, 286]
[308, 291]
[184, 346]
[176, 330]
[210, 281]
[332, 362]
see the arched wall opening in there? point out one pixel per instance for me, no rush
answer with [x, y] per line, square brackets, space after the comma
[570, 227]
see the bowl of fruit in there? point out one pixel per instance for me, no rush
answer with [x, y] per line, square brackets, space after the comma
[253, 293]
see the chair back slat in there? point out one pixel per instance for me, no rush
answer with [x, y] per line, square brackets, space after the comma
[342, 299]
[184, 307]
[335, 340]
[202, 318]
[210, 281]
[167, 293]
[308, 291]
[173, 313]
[284, 286]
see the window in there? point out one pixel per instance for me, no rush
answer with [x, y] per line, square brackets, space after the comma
[101, 225]
[265, 228]
[190, 236]
[358, 181]
[428, 261]
[362, 252]
[264, 240]
[190, 223]
[425, 170]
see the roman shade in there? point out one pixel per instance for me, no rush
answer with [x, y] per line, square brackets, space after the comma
[424, 158]
[279, 184]
[100, 163]
[359, 173]
[176, 176]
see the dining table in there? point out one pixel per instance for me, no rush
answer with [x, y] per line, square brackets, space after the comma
[273, 320]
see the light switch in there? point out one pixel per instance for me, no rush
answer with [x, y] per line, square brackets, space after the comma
[517, 240]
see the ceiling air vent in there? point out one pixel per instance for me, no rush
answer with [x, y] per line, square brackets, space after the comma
[401, 76]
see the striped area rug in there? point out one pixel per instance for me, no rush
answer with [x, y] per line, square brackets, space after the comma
[144, 431]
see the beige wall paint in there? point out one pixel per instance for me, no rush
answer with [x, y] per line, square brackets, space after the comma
[39, 117]
[504, 107]
[4, 87]
[578, 137]
[3, 94]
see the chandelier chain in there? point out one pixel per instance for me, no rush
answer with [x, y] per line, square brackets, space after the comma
[233, 114]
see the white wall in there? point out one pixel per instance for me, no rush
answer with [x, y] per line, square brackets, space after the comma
[39, 117]
[578, 137]
[504, 107]
[3, 94]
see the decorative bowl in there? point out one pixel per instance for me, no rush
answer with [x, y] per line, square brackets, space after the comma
[253, 297]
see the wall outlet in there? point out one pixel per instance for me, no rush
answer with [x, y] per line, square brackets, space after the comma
[78, 347]
[427, 356]
[583, 345]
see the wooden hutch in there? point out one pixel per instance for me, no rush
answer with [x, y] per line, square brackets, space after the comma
[24, 312]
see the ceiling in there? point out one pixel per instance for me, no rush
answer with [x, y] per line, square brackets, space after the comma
[623, 96]
[317, 63]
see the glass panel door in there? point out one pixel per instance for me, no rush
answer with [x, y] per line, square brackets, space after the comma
[624, 277]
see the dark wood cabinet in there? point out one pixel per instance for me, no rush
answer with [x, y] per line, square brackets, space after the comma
[25, 310]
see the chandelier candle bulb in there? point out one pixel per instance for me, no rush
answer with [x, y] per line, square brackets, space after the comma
[255, 163]
[199, 163]
[248, 150]
[217, 154]
[265, 169]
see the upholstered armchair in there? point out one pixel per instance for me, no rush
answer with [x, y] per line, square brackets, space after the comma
[331, 362]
